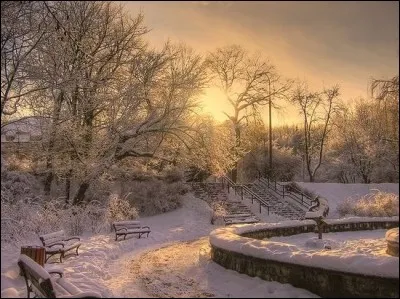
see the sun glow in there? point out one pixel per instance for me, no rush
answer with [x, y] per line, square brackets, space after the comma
[215, 103]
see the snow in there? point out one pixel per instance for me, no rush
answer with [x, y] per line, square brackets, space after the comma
[335, 193]
[354, 262]
[392, 235]
[174, 260]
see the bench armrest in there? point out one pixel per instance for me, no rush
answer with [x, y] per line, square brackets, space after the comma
[58, 243]
[145, 227]
[82, 295]
[56, 272]
[122, 228]
[72, 238]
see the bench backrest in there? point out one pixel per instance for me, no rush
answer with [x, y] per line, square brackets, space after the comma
[37, 275]
[52, 238]
[126, 224]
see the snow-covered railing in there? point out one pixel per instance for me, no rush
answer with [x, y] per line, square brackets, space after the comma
[244, 191]
[281, 189]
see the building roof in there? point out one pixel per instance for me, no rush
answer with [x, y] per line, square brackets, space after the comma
[24, 129]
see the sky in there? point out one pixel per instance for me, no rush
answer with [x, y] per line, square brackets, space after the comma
[322, 42]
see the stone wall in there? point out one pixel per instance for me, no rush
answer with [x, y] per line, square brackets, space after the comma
[323, 282]
[330, 227]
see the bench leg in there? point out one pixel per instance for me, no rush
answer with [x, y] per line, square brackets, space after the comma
[124, 236]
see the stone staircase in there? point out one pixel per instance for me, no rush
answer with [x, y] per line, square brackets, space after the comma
[230, 212]
[278, 205]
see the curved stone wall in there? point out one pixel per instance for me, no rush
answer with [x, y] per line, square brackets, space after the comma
[392, 239]
[242, 249]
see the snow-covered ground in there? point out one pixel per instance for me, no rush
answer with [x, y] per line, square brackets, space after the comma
[173, 262]
[335, 193]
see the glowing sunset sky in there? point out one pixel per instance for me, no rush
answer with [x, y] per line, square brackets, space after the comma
[322, 42]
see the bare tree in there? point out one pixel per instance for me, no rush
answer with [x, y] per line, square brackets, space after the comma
[80, 63]
[23, 27]
[151, 108]
[316, 109]
[387, 94]
[247, 82]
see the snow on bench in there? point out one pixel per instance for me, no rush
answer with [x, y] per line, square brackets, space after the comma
[124, 228]
[41, 284]
[59, 243]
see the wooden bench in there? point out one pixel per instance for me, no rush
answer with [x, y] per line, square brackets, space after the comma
[124, 228]
[41, 284]
[59, 243]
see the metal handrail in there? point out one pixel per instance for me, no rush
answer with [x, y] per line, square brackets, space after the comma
[244, 190]
[301, 198]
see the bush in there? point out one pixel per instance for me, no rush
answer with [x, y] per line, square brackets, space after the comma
[379, 204]
[24, 219]
[17, 186]
[119, 209]
[154, 196]
[173, 175]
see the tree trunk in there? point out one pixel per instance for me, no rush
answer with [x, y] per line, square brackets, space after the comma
[234, 173]
[237, 145]
[49, 178]
[270, 135]
[68, 186]
[311, 178]
[49, 159]
[80, 195]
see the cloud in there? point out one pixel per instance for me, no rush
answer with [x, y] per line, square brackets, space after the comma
[203, 3]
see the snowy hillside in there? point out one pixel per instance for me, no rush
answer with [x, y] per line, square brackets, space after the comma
[335, 193]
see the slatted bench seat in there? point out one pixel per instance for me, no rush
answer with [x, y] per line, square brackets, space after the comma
[124, 228]
[59, 243]
[41, 284]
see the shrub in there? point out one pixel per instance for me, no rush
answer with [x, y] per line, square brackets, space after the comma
[378, 204]
[155, 196]
[119, 209]
[17, 186]
[173, 175]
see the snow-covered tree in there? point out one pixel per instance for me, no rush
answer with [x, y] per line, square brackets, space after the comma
[316, 109]
[248, 82]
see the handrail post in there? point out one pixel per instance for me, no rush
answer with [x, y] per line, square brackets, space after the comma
[275, 185]
[283, 191]
[235, 189]
[252, 199]
[268, 181]
[268, 210]
[260, 207]
[301, 197]
[242, 192]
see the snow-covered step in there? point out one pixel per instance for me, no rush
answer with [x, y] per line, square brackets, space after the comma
[238, 215]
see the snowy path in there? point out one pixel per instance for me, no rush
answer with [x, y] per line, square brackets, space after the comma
[172, 262]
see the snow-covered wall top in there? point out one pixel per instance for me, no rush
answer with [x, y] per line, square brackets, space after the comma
[229, 238]
[392, 235]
